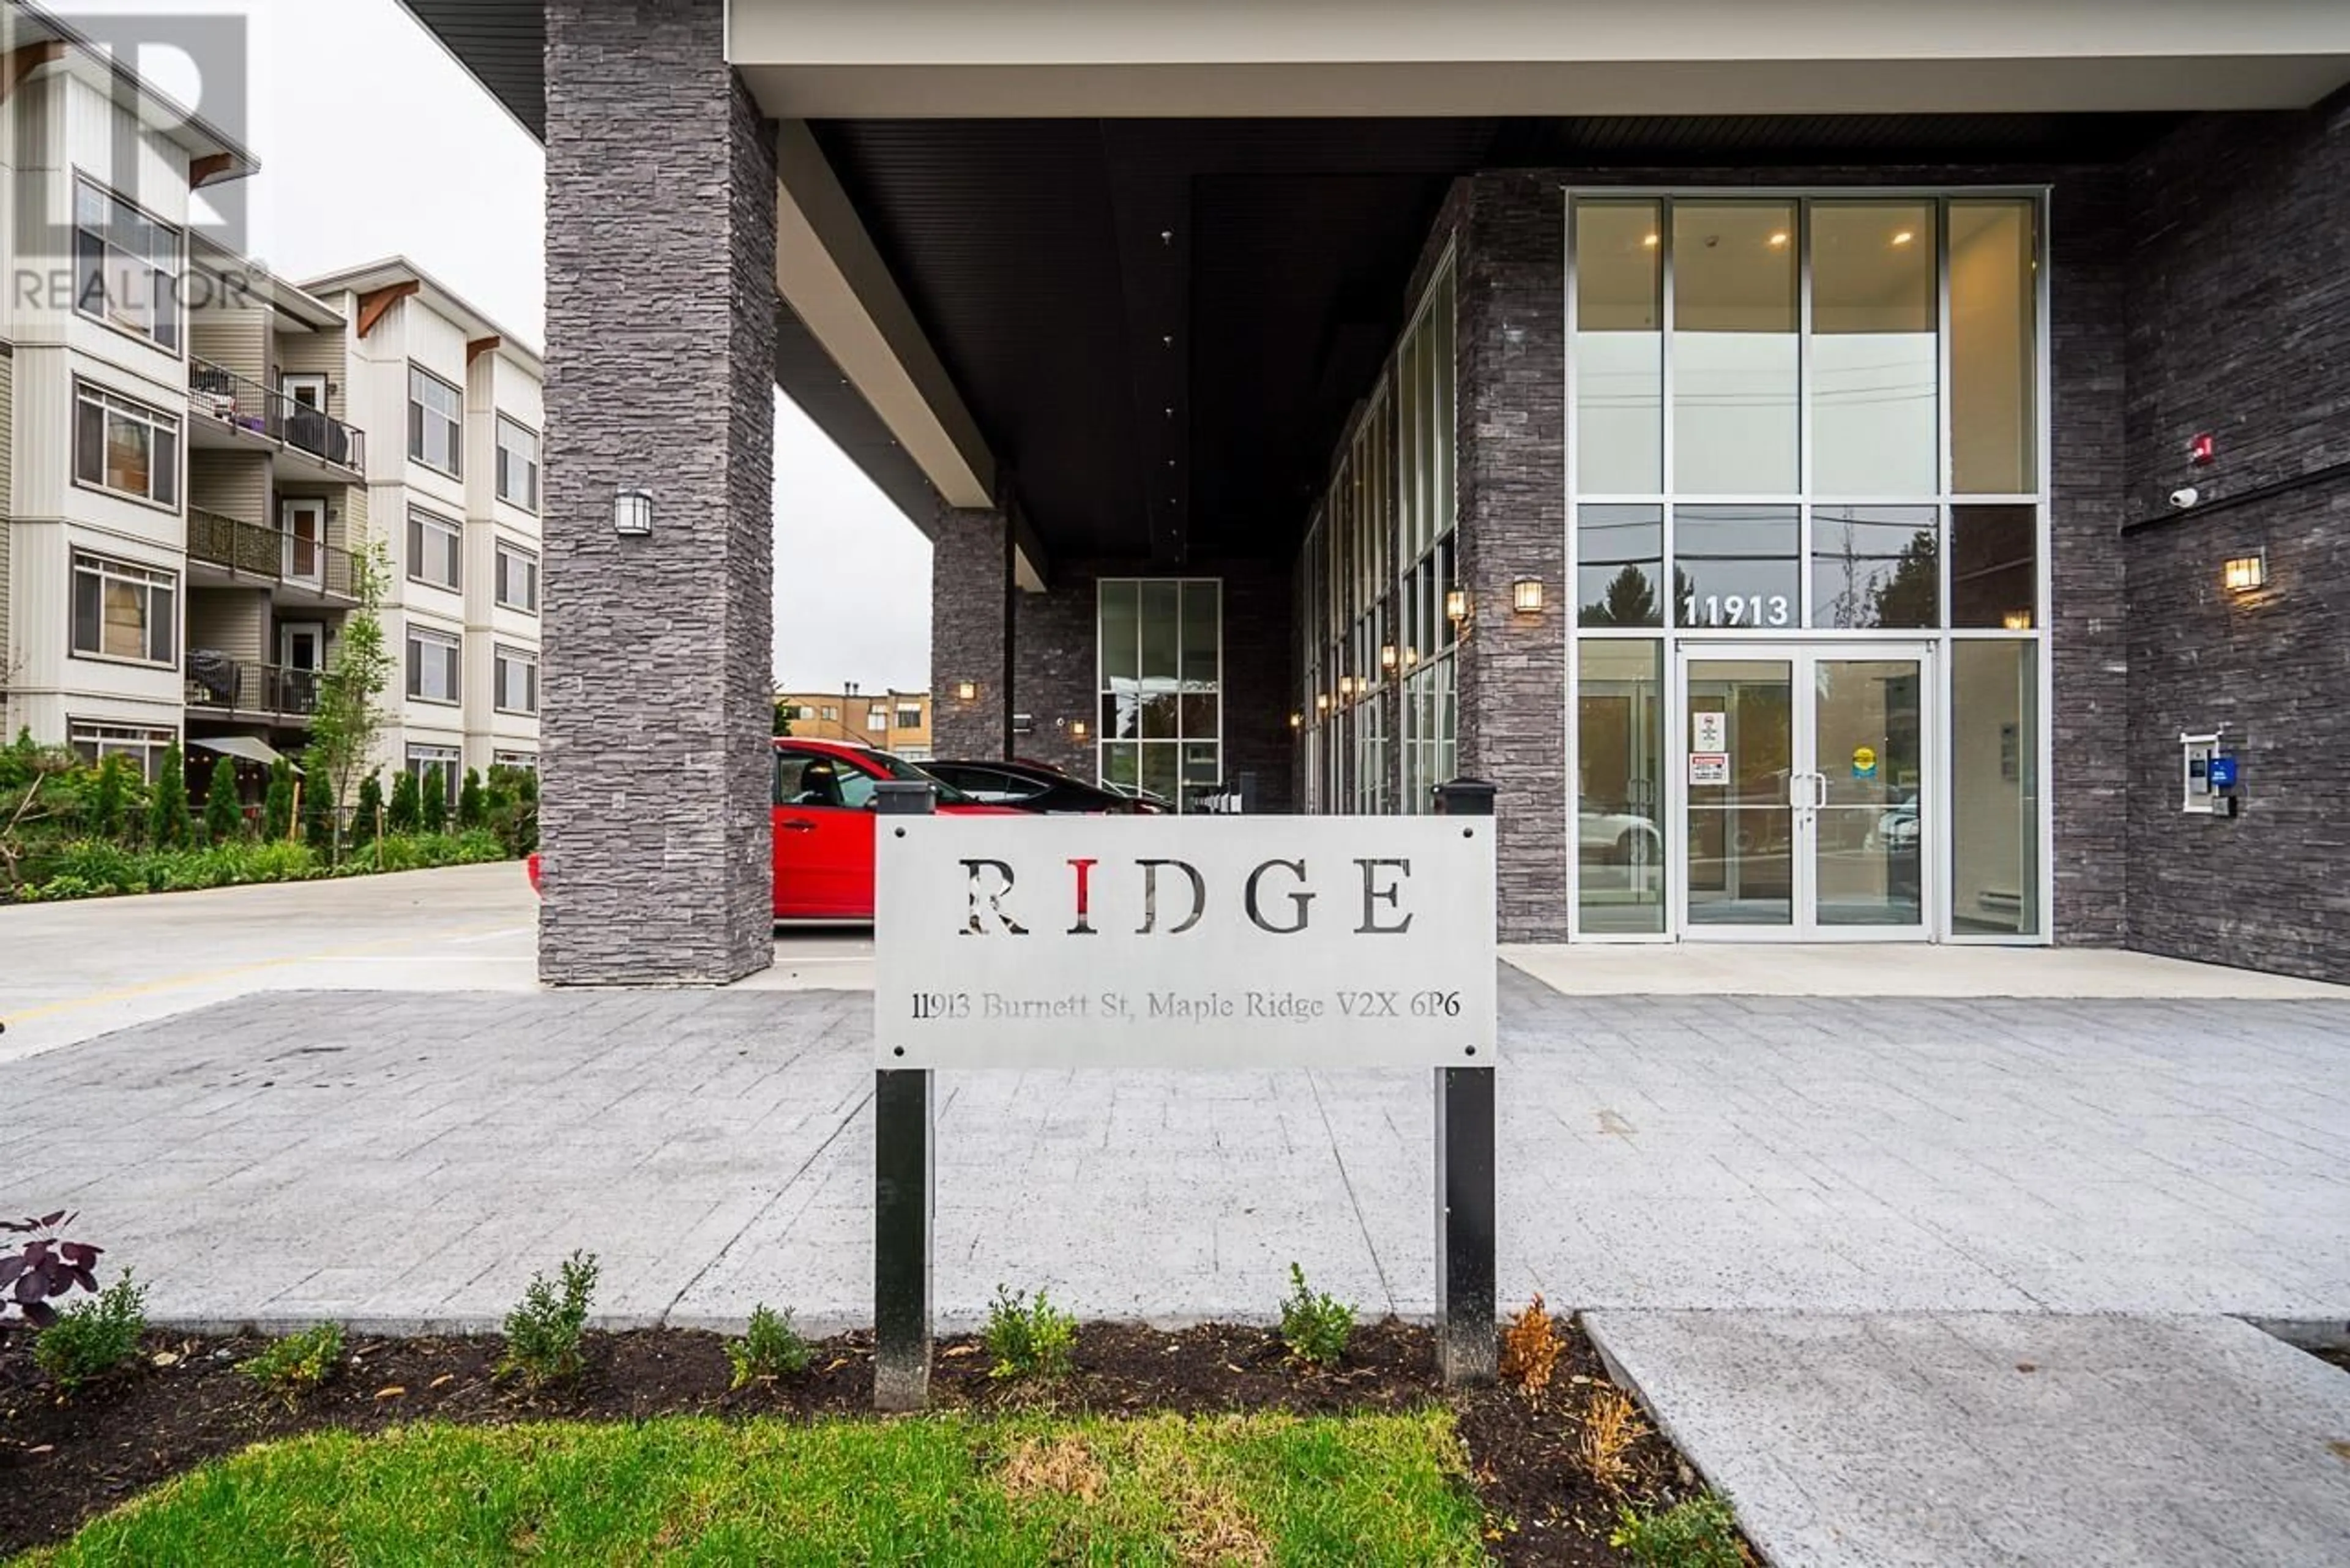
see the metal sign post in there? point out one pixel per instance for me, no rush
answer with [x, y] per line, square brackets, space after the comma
[1059, 943]
[903, 1192]
[1466, 1351]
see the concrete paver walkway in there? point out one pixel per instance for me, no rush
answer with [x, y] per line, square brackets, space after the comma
[1901, 1442]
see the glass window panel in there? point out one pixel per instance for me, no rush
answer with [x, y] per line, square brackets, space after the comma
[1875, 364]
[1621, 770]
[1741, 832]
[1161, 623]
[1121, 715]
[1736, 566]
[1440, 373]
[1995, 798]
[1120, 766]
[1619, 565]
[1200, 636]
[1994, 566]
[1735, 361]
[1994, 348]
[1875, 566]
[1868, 856]
[1198, 716]
[1619, 354]
[1161, 772]
[1161, 717]
[1121, 638]
[1200, 764]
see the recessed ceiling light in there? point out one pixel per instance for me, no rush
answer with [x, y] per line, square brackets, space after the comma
[1651, 241]
[1904, 237]
[1780, 238]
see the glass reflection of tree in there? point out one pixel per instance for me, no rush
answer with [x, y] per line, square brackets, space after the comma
[1910, 594]
[1630, 598]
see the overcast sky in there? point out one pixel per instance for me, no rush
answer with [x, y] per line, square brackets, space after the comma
[373, 142]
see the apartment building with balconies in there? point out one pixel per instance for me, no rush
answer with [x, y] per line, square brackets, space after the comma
[449, 404]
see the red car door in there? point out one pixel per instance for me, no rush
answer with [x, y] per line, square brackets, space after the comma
[824, 843]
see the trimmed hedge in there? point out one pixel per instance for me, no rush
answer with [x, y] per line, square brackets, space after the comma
[92, 868]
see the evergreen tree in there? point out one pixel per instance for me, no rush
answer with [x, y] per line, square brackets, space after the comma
[318, 813]
[278, 805]
[436, 800]
[105, 802]
[348, 718]
[167, 804]
[371, 808]
[223, 811]
[407, 806]
[472, 808]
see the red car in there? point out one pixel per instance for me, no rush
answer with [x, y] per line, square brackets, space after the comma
[824, 826]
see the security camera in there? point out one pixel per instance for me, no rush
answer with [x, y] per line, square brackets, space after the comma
[2184, 498]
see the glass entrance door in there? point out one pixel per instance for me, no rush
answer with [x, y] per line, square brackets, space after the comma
[1806, 791]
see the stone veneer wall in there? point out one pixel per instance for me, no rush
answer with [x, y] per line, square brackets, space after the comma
[970, 569]
[655, 809]
[2239, 326]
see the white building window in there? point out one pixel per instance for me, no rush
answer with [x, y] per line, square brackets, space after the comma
[517, 588]
[125, 266]
[878, 720]
[436, 422]
[517, 684]
[424, 759]
[432, 666]
[124, 611]
[527, 761]
[909, 717]
[143, 747]
[517, 464]
[436, 550]
[125, 447]
[1161, 684]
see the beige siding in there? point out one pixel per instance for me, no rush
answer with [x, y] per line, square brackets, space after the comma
[317, 354]
[234, 621]
[233, 483]
[348, 529]
[233, 336]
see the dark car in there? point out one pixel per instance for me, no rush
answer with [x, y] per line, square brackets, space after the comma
[1036, 786]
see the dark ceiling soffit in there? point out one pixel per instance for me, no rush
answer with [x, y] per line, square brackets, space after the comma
[809, 378]
[502, 43]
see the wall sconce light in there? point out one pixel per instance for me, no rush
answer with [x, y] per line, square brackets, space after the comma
[1456, 604]
[1346, 686]
[1388, 658]
[1321, 701]
[632, 514]
[2017, 620]
[1526, 596]
[1078, 729]
[966, 691]
[1297, 721]
[1411, 658]
[2245, 573]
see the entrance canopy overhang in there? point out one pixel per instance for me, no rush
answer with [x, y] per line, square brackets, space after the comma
[1123, 269]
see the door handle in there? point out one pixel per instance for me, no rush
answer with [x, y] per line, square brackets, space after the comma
[798, 824]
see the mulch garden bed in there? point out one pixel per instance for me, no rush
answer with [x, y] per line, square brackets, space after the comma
[62, 1463]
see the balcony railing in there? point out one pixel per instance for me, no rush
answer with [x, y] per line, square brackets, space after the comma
[248, 405]
[221, 684]
[268, 553]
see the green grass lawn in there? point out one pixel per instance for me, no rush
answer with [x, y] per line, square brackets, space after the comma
[1018, 1489]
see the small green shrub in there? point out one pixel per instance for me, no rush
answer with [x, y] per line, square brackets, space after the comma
[167, 803]
[277, 802]
[769, 1349]
[472, 811]
[542, 1333]
[436, 799]
[1028, 1339]
[93, 1338]
[223, 811]
[299, 1363]
[406, 813]
[367, 816]
[1315, 1328]
[1699, 1533]
[108, 798]
[318, 816]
